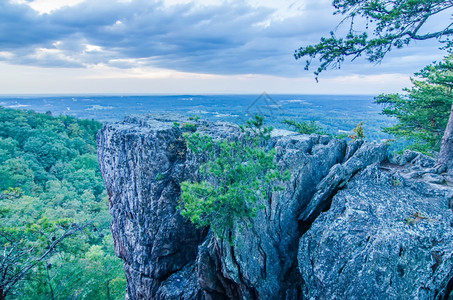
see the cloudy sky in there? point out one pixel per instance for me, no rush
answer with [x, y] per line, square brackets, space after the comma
[182, 47]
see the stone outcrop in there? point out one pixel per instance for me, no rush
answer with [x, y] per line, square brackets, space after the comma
[387, 235]
[296, 246]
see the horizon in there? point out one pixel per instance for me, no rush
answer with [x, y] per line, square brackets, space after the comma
[175, 94]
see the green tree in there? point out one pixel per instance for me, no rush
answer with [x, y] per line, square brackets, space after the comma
[423, 111]
[305, 127]
[389, 24]
[8, 147]
[237, 175]
[358, 132]
[15, 172]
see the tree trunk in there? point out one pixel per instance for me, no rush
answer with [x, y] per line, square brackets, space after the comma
[2, 295]
[50, 284]
[445, 158]
[108, 289]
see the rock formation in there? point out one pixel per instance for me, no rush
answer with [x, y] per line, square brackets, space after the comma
[348, 220]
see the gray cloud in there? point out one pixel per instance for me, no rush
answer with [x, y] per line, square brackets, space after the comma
[221, 39]
[21, 27]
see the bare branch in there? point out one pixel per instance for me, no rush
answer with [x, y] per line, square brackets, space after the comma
[428, 36]
[15, 254]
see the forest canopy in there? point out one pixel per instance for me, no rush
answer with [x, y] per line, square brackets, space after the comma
[50, 183]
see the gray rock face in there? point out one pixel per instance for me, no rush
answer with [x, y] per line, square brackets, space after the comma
[339, 176]
[143, 164]
[386, 236]
[282, 254]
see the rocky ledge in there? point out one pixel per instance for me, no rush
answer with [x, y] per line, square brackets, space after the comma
[350, 223]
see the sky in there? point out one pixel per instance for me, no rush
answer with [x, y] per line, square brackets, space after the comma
[183, 47]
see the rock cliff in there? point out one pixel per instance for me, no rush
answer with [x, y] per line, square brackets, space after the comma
[349, 223]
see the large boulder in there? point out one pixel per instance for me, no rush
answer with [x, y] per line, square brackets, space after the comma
[387, 235]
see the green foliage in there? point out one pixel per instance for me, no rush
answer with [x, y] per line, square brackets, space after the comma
[357, 132]
[237, 175]
[305, 127]
[396, 182]
[160, 177]
[187, 126]
[341, 136]
[25, 246]
[389, 25]
[415, 218]
[256, 125]
[49, 180]
[194, 118]
[424, 110]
